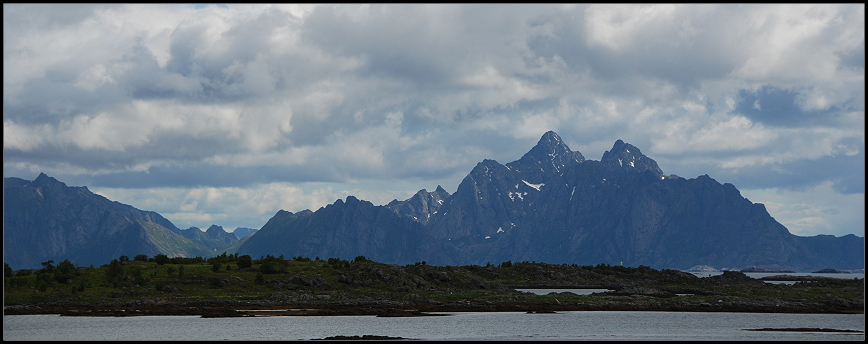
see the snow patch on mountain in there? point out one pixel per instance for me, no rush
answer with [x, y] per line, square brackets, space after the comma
[535, 186]
[520, 195]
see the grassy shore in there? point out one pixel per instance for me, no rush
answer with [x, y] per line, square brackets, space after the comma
[302, 286]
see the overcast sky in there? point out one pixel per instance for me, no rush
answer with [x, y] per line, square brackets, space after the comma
[226, 114]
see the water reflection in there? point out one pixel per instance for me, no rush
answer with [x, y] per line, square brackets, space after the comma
[574, 291]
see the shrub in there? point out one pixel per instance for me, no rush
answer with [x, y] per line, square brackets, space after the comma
[244, 262]
[41, 285]
[65, 271]
[337, 263]
[216, 282]
[273, 265]
[301, 259]
[115, 272]
[161, 259]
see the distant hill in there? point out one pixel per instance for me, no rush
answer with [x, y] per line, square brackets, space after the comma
[215, 238]
[45, 219]
[242, 232]
[554, 206]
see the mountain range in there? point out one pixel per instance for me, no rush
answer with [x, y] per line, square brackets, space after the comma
[552, 205]
[45, 219]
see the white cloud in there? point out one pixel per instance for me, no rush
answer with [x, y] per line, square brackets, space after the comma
[23, 137]
[620, 27]
[395, 93]
[240, 207]
[797, 42]
[819, 210]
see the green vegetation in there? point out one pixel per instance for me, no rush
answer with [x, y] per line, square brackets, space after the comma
[166, 241]
[231, 277]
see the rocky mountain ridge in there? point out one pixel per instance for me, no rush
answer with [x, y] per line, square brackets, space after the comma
[554, 206]
[45, 219]
[243, 232]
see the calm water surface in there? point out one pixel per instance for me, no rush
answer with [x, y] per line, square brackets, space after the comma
[457, 326]
[766, 274]
[574, 291]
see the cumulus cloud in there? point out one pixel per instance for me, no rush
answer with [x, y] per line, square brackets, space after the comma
[387, 99]
[232, 207]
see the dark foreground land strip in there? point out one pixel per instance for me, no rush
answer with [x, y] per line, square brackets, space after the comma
[364, 337]
[226, 308]
[804, 329]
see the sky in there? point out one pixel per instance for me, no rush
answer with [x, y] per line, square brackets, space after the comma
[225, 114]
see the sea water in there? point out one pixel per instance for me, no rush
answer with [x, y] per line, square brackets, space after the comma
[572, 325]
[759, 275]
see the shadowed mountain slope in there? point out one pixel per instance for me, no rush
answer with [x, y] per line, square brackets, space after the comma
[552, 205]
[45, 219]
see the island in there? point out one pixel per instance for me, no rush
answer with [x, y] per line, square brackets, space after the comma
[830, 271]
[239, 286]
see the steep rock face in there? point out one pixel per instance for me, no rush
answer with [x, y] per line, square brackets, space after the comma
[623, 210]
[625, 155]
[47, 220]
[484, 203]
[635, 218]
[494, 198]
[422, 205]
[549, 157]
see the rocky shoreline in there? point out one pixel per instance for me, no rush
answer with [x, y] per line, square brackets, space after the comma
[227, 308]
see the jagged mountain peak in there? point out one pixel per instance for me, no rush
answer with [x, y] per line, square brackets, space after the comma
[550, 137]
[215, 228]
[549, 156]
[625, 155]
[43, 180]
[350, 203]
[422, 206]
[589, 212]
